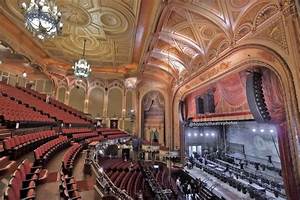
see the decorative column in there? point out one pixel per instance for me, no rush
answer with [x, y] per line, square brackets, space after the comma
[86, 105]
[67, 95]
[124, 111]
[105, 106]
[134, 108]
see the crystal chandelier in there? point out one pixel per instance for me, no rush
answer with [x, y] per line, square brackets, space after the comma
[130, 83]
[42, 18]
[81, 67]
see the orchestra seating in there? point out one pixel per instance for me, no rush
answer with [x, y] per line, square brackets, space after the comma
[81, 136]
[95, 139]
[23, 182]
[19, 144]
[13, 111]
[40, 105]
[68, 131]
[125, 175]
[43, 153]
[111, 133]
[68, 187]
[70, 156]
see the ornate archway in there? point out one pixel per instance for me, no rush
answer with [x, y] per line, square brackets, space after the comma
[238, 60]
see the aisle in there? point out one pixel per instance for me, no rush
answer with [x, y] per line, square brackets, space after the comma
[85, 182]
[50, 189]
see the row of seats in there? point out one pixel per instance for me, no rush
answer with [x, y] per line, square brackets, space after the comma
[43, 153]
[13, 111]
[67, 108]
[69, 157]
[22, 184]
[20, 144]
[34, 93]
[40, 105]
[110, 137]
[125, 175]
[68, 187]
[75, 130]
[53, 102]
[82, 136]
[116, 132]
[105, 129]
[95, 139]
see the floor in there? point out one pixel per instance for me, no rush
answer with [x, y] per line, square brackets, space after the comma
[221, 189]
[50, 190]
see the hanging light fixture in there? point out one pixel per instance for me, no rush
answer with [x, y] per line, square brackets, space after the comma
[130, 83]
[81, 67]
[42, 18]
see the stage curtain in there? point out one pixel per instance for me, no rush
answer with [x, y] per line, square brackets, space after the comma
[230, 90]
[273, 96]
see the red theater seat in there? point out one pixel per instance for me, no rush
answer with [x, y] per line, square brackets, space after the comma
[39, 104]
[23, 182]
[68, 187]
[20, 144]
[43, 153]
[69, 157]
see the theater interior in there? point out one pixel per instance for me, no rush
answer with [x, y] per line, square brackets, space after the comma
[150, 99]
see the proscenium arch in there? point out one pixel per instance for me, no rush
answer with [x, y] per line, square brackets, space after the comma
[261, 56]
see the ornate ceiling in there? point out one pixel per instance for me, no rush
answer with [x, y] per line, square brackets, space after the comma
[191, 34]
[107, 25]
[116, 32]
[187, 35]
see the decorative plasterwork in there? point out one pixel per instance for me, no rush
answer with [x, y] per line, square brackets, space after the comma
[202, 31]
[107, 25]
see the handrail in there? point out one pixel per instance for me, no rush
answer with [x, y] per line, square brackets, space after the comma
[153, 184]
[115, 190]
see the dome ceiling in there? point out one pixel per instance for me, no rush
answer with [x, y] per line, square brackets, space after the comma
[108, 25]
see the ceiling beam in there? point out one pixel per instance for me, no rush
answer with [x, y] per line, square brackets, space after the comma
[148, 13]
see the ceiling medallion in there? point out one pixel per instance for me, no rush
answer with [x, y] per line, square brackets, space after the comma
[130, 83]
[81, 67]
[42, 18]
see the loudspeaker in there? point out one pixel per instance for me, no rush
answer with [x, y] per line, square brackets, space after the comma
[209, 102]
[255, 97]
[200, 105]
[182, 111]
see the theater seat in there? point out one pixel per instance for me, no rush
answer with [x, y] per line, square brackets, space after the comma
[5, 165]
